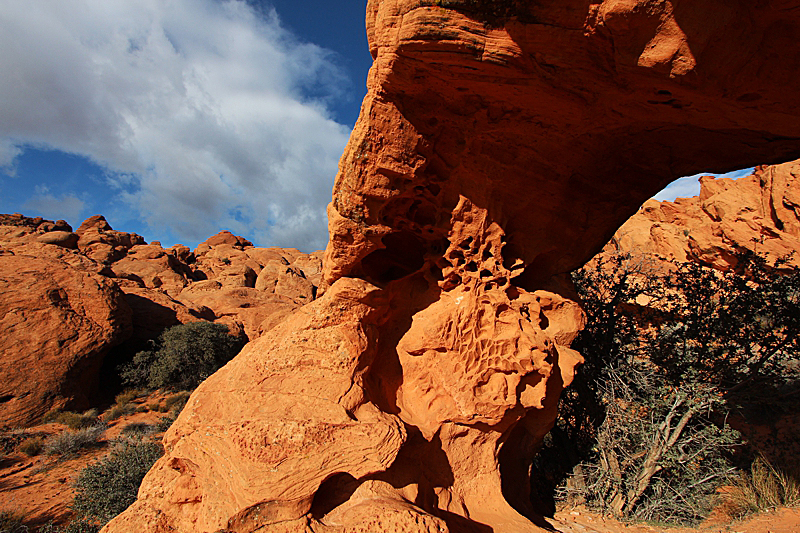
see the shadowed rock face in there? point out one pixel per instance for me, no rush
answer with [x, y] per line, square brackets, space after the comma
[499, 147]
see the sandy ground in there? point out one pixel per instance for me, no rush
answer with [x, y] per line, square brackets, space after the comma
[41, 486]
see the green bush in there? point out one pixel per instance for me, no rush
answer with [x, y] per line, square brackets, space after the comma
[183, 357]
[71, 442]
[106, 488]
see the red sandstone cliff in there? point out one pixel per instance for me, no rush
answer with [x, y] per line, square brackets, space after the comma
[759, 213]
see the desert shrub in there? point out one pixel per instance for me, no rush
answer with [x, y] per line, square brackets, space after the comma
[670, 355]
[71, 442]
[32, 446]
[165, 422]
[71, 419]
[138, 429]
[117, 411]
[79, 525]
[174, 404]
[182, 357]
[177, 402]
[79, 421]
[12, 522]
[107, 487]
[7, 443]
[128, 395]
[762, 488]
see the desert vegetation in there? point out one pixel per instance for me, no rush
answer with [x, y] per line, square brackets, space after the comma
[106, 488]
[182, 357]
[674, 355]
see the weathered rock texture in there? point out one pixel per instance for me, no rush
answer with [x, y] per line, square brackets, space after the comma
[57, 325]
[67, 298]
[758, 213]
[500, 145]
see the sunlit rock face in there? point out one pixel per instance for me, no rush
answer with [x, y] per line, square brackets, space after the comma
[499, 147]
[759, 213]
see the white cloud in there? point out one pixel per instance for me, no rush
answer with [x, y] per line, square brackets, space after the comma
[199, 104]
[66, 206]
[8, 153]
[690, 185]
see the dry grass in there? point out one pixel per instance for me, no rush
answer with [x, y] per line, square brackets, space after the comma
[31, 446]
[129, 395]
[118, 411]
[763, 488]
[72, 420]
[69, 443]
[12, 522]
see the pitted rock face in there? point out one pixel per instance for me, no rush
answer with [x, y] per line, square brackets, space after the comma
[557, 119]
[499, 146]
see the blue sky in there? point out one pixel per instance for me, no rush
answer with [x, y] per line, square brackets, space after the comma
[178, 118]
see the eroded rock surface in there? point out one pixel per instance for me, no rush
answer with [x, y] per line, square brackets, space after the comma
[67, 298]
[57, 324]
[499, 147]
[758, 213]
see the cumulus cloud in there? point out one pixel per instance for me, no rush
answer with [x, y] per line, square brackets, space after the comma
[65, 206]
[201, 110]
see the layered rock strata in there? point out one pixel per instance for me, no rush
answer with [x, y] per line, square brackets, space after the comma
[57, 323]
[499, 147]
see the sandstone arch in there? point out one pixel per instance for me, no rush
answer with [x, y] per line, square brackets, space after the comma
[496, 150]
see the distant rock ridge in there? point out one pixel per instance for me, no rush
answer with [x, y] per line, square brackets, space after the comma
[67, 298]
[759, 213]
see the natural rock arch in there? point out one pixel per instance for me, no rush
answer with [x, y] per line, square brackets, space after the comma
[496, 151]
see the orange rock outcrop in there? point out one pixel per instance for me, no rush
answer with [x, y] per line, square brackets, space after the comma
[499, 146]
[57, 323]
[70, 299]
[758, 213]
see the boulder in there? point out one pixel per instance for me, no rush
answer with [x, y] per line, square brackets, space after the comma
[98, 241]
[58, 323]
[153, 267]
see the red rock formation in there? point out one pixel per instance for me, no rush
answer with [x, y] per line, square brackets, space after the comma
[759, 213]
[58, 323]
[499, 147]
[100, 242]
